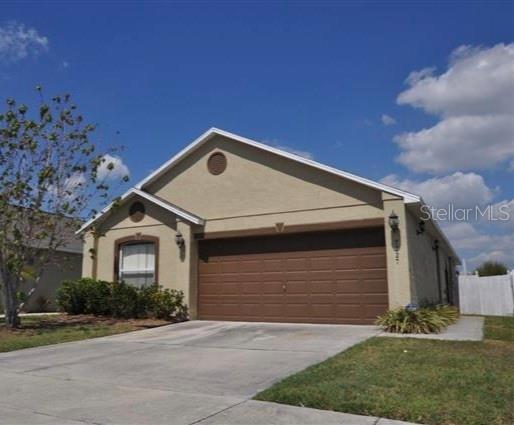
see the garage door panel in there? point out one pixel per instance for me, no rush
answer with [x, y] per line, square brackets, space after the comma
[353, 274]
[250, 287]
[278, 299]
[373, 261]
[321, 275]
[297, 287]
[294, 264]
[322, 310]
[353, 311]
[270, 265]
[373, 274]
[209, 268]
[248, 277]
[233, 266]
[272, 310]
[372, 311]
[298, 299]
[248, 309]
[347, 286]
[374, 286]
[322, 263]
[348, 299]
[345, 262]
[317, 278]
[321, 299]
[322, 287]
[272, 287]
[374, 299]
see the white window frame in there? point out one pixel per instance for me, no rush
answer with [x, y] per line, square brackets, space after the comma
[138, 271]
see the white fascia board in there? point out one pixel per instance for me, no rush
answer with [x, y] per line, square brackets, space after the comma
[167, 206]
[408, 197]
[137, 192]
[104, 210]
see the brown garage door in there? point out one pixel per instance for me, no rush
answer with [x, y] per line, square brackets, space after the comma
[332, 277]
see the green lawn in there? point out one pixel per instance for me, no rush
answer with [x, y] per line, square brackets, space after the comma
[45, 330]
[425, 381]
[499, 328]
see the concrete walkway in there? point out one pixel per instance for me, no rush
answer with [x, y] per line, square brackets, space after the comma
[191, 373]
[2, 316]
[467, 328]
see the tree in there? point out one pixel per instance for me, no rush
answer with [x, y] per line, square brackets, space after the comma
[491, 268]
[51, 173]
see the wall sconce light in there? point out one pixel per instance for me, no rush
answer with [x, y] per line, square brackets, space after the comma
[394, 221]
[179, 239]
[421, 227]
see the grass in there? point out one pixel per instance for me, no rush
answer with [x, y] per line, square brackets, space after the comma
[499, 328]
[45, 330]
[425, 381]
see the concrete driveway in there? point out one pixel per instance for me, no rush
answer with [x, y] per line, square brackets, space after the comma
[194, 372]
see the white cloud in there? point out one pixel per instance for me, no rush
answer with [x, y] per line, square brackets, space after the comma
[476, 246]
[459, 143]
[503, 213]
[478, 81]
[18, 42]
[112, 168]
[68, 189]
[415, 76]
[474, 98]
[387, 120]
[464, 190]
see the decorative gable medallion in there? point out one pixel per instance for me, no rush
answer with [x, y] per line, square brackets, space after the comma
[217, 163]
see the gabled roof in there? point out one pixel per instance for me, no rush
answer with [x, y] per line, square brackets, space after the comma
[192, 218]
[409, 198]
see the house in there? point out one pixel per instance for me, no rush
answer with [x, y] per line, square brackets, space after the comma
[250, 232]
[64, 264]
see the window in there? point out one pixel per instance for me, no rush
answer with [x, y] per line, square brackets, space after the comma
[137, 263]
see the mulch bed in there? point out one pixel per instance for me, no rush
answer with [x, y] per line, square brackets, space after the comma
[30, 324]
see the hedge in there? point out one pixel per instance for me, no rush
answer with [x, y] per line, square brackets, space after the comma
[119, 299]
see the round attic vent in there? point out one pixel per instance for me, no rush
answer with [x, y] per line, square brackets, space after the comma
[217, 163]
[137, 211]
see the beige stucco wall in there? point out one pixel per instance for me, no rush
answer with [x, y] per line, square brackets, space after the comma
[423, 262]
[397, 252]
[174, 264]
[259, 188]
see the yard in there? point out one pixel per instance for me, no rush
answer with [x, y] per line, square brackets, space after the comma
[425, 381]
[52, 329]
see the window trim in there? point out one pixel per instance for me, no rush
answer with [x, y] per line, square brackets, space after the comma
[131, 240]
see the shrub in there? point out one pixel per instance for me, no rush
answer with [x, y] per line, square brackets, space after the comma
[422, 320]
[492, 268]
[84, 296]
[118, 299]
[169, 304]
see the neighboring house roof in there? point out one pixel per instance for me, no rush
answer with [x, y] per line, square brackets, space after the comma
[209, 134]
[192, 218]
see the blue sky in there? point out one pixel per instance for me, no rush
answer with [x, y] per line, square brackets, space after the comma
[313, 77]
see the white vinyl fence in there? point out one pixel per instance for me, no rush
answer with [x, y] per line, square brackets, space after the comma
[491, 295]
